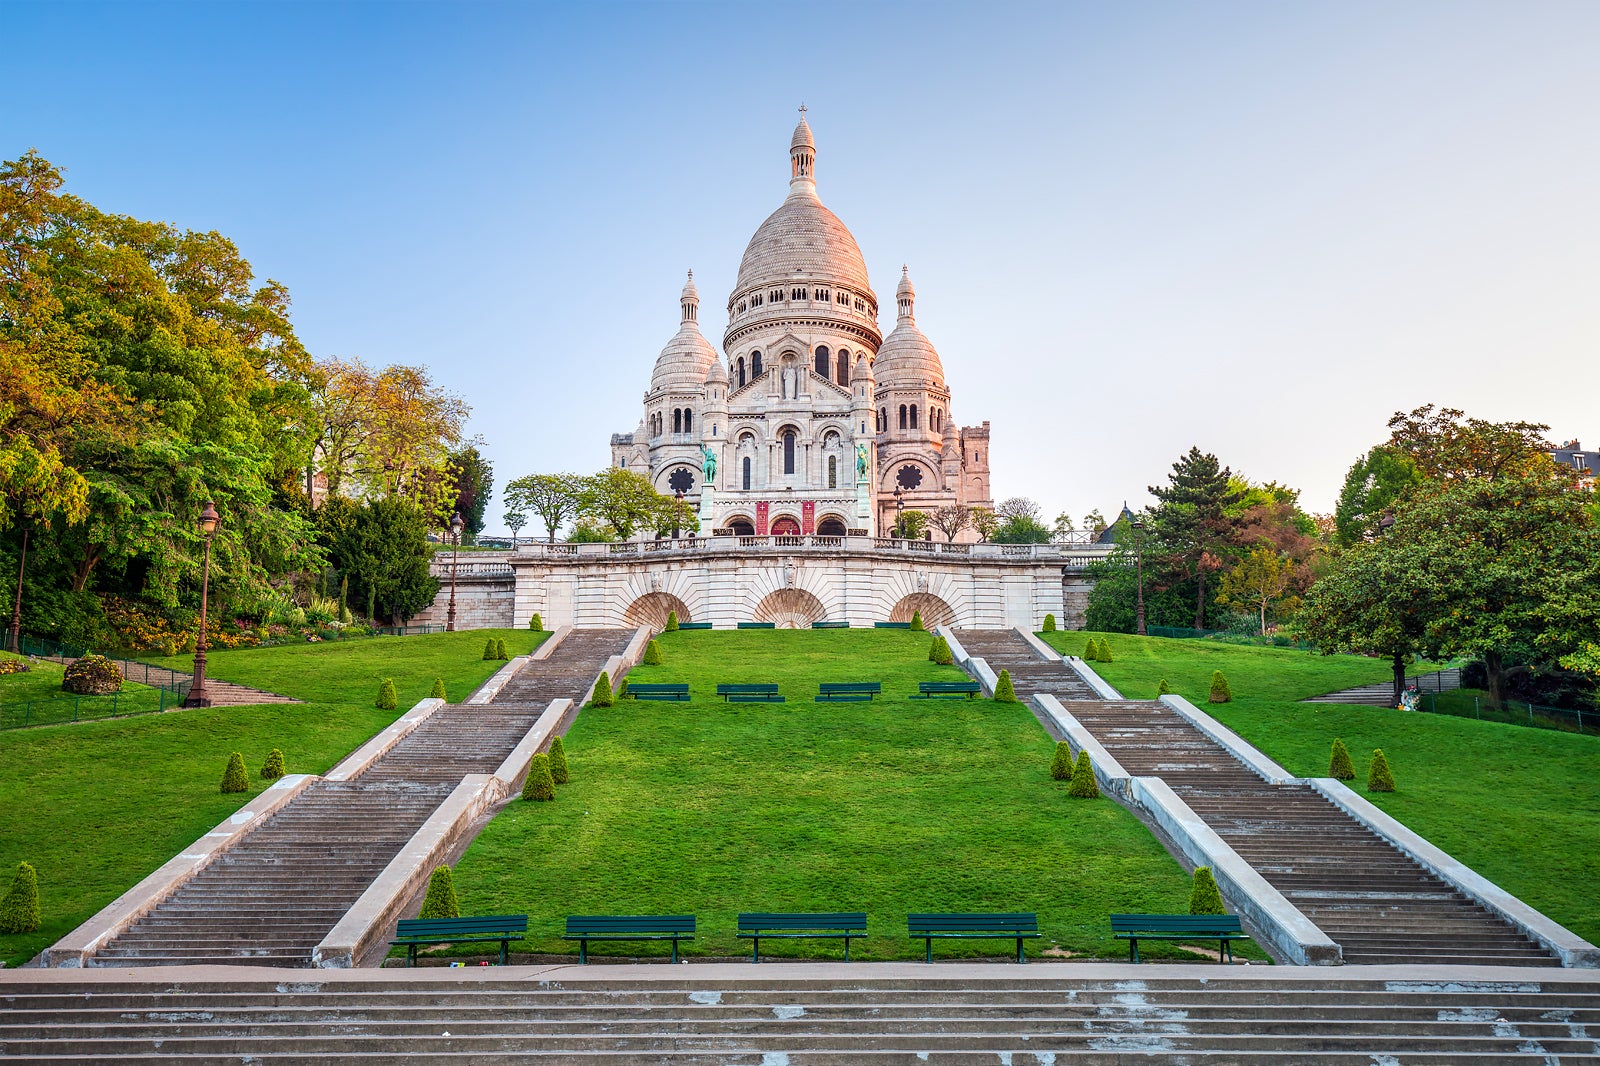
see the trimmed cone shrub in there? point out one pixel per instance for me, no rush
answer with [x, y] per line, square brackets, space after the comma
[1061, 765]
[1204, 898]
[602, 691]
[234, 779]
[939, 651]
[1163, 689]
[273, 769]
[438, 690]
[388, 698]
[1049, 623]
[540, 784]
[1339, 764]
[1091, 651]
[1003, 692]
[1083, 786]
[500, 650]
[1220, 692]
[558, 761]
[1105, 650]
[672, 622]
[19, 911]
[536, 623]
[441, 901]
[652, 653]
[1378, 777]
[622, 688]
[488, 651]
[916, 623]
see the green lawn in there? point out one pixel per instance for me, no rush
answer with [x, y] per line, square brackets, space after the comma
[889, 807]
[1519, 805]
[96, 806]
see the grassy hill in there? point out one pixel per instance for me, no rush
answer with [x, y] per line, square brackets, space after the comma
[1519, 805]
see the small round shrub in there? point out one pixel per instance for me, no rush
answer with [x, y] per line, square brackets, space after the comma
[273, 769]
[1061, 765]
[540, 784]
[559, 770]
[602, 691]
[1049, 623]
[19, 911]
[916, 622]
[441, 902]
[536, 623]
[652, 653]
[500, 652]
[1220, 692]
[1083, 786]
[672, 622]
[489, 652]
[939, 651]
[1163, 689]
[8, 665]
[1003, 692]
[1379, 779]
[1339, 764]
[437, 693]
[388, 698]
[92, 675]
[1204, 897]
[234, 779]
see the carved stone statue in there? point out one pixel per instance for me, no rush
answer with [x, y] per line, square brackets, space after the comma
[708, 464]
[861, 462]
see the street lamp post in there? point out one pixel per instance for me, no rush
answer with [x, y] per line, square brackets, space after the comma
[898, 505]
[198, 697]
[677, 516]
[16, 611]
[1138, 562]
[456, 525]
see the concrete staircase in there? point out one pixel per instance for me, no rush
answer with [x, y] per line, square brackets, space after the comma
[811, 1017]
[1374, 901]
[272, 898]
[1382, 693]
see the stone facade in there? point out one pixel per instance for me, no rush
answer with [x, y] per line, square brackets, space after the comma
[814, 422]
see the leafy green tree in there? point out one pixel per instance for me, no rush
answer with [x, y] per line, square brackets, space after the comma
[441, 901]
[1191, 520]
[472, 478]
[985, 522]
[912, 525]
[1372, 487]
[382, 546]
[553, 497]
[951, 521]
[624, 500]
[1260, 580]
[1022, 530]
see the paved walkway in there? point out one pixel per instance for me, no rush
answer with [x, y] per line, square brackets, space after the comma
[222, 693]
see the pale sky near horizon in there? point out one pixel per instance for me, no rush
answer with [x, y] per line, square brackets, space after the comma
[1261, 228]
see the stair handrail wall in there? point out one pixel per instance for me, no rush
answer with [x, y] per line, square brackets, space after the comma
[1242, 750]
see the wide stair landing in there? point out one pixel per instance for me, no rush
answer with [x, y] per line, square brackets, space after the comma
[1374, 901]
[811, 1021]
[274, 896]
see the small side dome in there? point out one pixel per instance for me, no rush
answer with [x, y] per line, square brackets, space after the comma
[718, 374]
[907, 356]
[688, 356]
[862, 371]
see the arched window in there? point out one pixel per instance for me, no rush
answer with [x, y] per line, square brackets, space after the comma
[913, 416]
[677, 420]
[833, 471]
[746, 472]
[741, 373]
[821, 361]
[844, 368]
[755, 365]
[788, 453]
[902, 416]
[883, 420]
[688, 420]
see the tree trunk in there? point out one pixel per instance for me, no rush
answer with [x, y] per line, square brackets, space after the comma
[1399, 678]
[1263, 617]
[1200, 596]
[1495, 668]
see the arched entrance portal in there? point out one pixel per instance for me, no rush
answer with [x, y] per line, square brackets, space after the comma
[652, 608]
[935, 612]
[742, 527]
[785, 527]
[790, 609]
[830, 527]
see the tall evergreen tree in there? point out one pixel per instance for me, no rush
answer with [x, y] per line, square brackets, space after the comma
[1192, 519]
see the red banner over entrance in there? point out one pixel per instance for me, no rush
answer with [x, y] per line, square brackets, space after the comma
[762, 508]
[808, 517]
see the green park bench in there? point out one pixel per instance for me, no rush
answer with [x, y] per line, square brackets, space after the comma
[891, 625]
[847, 692]
[837, 926]
[830, 625]
[927, 690]
[931, 927]
[758, 625]
[415, 932]
[586, 927]
[676, 693]
[694, 625]
[1223, 928]
[764, 693]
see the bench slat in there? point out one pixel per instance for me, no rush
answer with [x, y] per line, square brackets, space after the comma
[1176, 923]
[498, 923]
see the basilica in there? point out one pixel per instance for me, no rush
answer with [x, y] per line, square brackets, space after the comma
[814, 422]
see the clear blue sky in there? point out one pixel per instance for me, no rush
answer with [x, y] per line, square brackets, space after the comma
[1260, 228]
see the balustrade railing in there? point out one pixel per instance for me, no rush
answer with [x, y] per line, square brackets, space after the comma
[1074, 556]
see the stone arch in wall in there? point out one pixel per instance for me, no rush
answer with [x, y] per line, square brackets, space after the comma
[831, 525]
[790, 609]
[652, 608]
[935, 611]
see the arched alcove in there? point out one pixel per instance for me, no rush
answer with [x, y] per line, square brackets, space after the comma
[790, 609]
[935, 612]
[652, 609]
